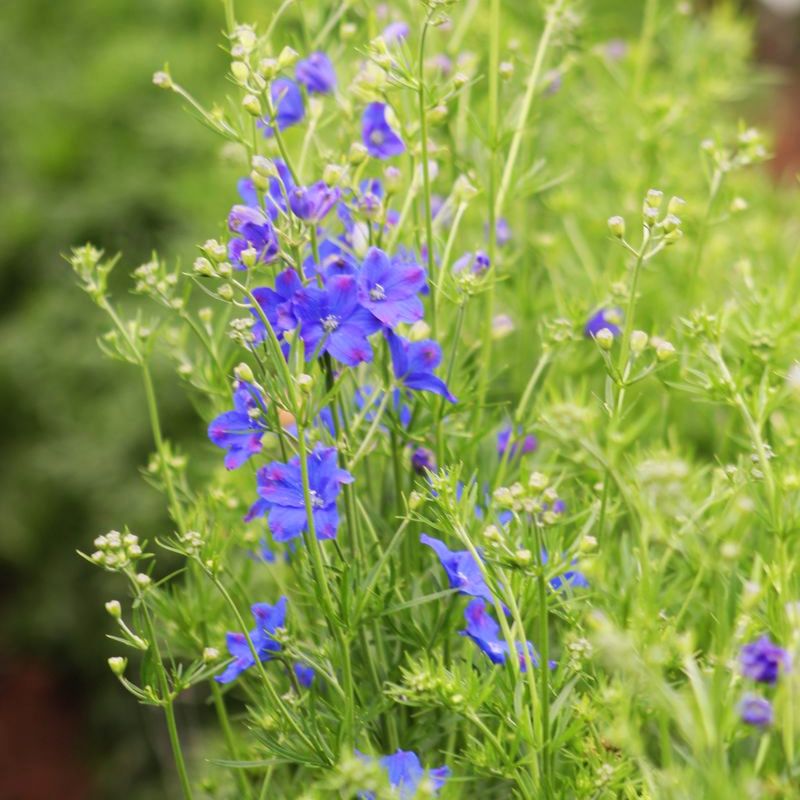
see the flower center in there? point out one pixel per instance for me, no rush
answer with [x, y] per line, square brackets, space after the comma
[377, 137]
[377, 292]
[316, 500]
[330, 323]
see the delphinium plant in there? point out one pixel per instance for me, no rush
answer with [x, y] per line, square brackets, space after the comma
[499, 496]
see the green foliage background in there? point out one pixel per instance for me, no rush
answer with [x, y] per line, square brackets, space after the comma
[89, 150]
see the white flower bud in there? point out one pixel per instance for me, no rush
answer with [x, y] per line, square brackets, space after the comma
[665, 351]
[638, 342]
[617, 226]
[243, 372]
[143, 580]
[288, 57]
[240, 71]
[162, 79]
[252, 105]
[654, 198]
[506, 70]
[210, 655]
[114, 608]
[117, 664]
[604, 338]
[419, 330]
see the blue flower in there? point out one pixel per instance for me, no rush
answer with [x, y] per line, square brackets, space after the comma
[268, 619]
[462, 569]
[304, 674]
[388, 288]
[280, 488]
[477, 262]
[485, 632]
[395, 32]
[254, 231]
[603, 318]
[755, 710]
[414, 362]
[287, 100]
[277, 305]
[316, 73]
[529, 442]
[364, 397]
[239, 431]
[571, 577]
[763, 660]
[379, 138]
[335, 258]
[502, 231]
[280, 186]
[423, 460]
[313, 203]
[405, 774]
[332, 321]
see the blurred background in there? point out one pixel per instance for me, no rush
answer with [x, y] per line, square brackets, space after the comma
[91, 151]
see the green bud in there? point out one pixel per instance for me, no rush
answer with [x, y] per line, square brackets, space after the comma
[460, 79]
[264, 166]
[675, 205]
[617, 226]
[665, 351]
[259, 181]
[268, 68]
[240, 71]
[437, 114]
[419, 331]
[249, 257]
[243, 372]
[392, 179]
[357, 154]
[415, 500]
[334, 174]
[114, 609]
[202, 266]
[224, 269]
[347, 31]
[523, 557]
[671, 223]
[463, 190]
[638, 342]
[210, 655]
[738, 204]
[604, 339]
[305, 382]
[143, 580]
[654, 198]
[162, 79]
[252, 105]
[288, 57]
[506, 70]
[225, 292]
[117, 664]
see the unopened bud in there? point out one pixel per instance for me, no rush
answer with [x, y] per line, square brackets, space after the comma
[357, 154]
[117, 664]
[347, 31]
[305, 382]
[419, 331]
[210, 655]
[392, 179]
[665, 351]
[604, 338]
[259, 181]
[202, 266]
[506, 70]
[415, 500]
[654, 198]
[738, 204]
[143, 580]
[225, 292]
[671, 223]
[268, 68]
[162, 79]
[638, 342]
[617, 226]
[288, 57]
[334, 174]
[675, 205]
[114, 608]
[240, 71]
[252, 105]
[243, 372]
[438, 114]
[460, 79]
[463, 190]
[523, 557]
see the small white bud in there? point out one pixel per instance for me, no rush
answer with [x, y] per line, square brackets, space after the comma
[604, 338]
[117, 664]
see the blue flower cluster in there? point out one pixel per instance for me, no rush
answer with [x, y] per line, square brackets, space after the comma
[761, 661]
[405, 774]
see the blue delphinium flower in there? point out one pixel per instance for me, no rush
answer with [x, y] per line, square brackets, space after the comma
[763, 660]
[395, 32]
[571, 577]
[603, 318]
[423, 460]
[462, 570]
[388, 288]
[485, 632]
[528, 445]
[332, 321]
[379, 138]
[239, 431]
[280, 489]
[335, 258]
[755, 710]
[277, 305]
[304, 674]
[313, 203]
[414, 362]
[477, 262]
[287, 100]
[405, 774]
[254, 230]
[316, 73]
[268, 619]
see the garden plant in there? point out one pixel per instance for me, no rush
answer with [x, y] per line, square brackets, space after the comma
[495, 484]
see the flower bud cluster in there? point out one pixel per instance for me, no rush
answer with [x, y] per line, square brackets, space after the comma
[115, 550]
[538, 497]
[154, 280]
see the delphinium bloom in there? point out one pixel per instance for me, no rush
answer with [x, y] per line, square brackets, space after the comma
[332, 321]
[268, 619]
[313, 203]
[388, 288]
[414, 362]
[277, 305]
[527, 445]
[239, 431]
[463, 571]
[395, 32]
[406, 773]
[570, 577]
[755, 710]
[287, 100]
[254, 232]
[483, 629]
[335, 258]
[422, 460]
[763, 660]
[502, 231]
[280, 489]
[477, 263]
[609, 318]
[316, 73]
[304, 674]
[379, 138]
